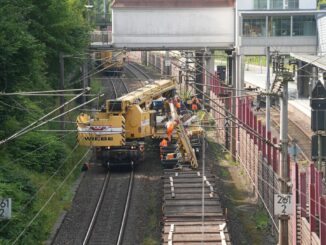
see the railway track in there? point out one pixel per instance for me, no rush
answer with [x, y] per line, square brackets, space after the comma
[136, 71]
[110, 216]
[295, 132]
[192, 210]
[119, 87]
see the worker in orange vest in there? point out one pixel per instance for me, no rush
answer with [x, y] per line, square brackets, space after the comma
[164, 143]
[194, 104]
[169, 129]
[178, 105]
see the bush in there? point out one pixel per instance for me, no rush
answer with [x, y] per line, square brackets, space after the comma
[43, 153]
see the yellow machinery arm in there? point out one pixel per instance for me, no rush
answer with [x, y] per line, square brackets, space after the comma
[126, 118]
[186, 150]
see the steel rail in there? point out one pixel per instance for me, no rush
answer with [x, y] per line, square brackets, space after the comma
[135, 67]
[124, 85]
[114, 89]
[125, 213]
[97, 209]
[292, 123]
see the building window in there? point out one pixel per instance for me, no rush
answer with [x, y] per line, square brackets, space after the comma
[280, 26]
[304, 26]
[260, 4]
[254, 27]
[276, 4]
[293, 4]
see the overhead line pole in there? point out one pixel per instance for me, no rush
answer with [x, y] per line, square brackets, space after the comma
[284, 164]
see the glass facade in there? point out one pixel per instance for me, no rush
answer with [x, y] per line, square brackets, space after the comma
[276, 4]
[293, 4]
[260, 4]
[280, 26]
[304, 26]
[254, 27]
[277, 26]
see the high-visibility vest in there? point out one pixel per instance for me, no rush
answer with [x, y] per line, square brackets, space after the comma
[169, 126]
[164, 143]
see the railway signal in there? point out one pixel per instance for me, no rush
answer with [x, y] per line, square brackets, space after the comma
[318, 123]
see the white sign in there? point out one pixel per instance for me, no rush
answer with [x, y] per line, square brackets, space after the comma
[283, 204]
[5, 208]
[167, 62]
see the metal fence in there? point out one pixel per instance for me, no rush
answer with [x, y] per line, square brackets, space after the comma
[103, 37]
[259, 159]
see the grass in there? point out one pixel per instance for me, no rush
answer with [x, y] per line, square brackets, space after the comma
[27, 204]
[152, 222]
[238, 198]
[261, 220]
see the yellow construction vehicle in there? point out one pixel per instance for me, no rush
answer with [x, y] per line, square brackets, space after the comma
[110, 62]
[117, 133]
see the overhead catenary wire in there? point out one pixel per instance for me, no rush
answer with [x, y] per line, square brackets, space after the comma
[29, 128]
[96, 69]
[42, 118]
[234, 119]
[42, 92]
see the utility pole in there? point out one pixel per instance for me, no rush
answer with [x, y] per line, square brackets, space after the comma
[282, 78]
[62, 87]
[284, 165]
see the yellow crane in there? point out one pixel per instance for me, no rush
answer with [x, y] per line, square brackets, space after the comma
[118, 132]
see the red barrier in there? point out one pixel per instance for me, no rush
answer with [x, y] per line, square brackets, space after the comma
[264, 137]
[269, 148]
[312, 204]
[259, 132]
[243, 111]
[275, 162]
[312, 171]
[302, 194]
[322, 225]
[294, 178]
[239, 106]
[318, 184]
[255, 128]
[251, 122]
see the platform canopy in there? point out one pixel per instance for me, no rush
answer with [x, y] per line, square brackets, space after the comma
[318, 61]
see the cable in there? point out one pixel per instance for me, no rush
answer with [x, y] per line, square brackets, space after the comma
[37, 126]
[234, 119]
[223, 87]
[20, 132]
[42, 92]
[50, 198]
[274, 173]
[96, 70]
